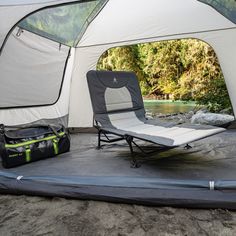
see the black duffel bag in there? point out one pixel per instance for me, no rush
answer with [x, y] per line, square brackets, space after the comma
[19, 146]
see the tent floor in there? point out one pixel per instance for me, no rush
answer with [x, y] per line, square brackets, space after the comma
[175, 177]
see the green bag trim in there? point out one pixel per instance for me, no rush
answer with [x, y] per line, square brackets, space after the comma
[55, 146]
[27, 154]
[27, 143]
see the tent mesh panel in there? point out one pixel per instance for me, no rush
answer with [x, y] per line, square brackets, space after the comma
[64, 24]
[225, 7]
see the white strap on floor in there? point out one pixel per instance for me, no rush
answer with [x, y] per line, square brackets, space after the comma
[19, 177]
[212, 185]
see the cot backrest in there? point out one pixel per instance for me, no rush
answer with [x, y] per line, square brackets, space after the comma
[114, 92]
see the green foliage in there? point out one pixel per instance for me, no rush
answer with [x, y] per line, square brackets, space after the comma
[216, 98]
[123, 59]
[179, 69]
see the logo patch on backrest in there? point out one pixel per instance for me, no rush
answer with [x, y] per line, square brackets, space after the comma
[115, 80]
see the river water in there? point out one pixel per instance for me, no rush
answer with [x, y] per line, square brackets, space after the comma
[157, 107]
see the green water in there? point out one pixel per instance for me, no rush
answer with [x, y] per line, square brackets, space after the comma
[156, 107]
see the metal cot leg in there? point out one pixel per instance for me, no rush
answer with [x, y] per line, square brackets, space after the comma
[134, 162]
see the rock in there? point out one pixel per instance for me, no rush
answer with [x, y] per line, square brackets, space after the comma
[211, 119]
[189, 115]
[203, 110]
[149, 115]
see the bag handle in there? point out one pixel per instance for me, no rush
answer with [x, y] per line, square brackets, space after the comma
[54, 131]
[2, 129]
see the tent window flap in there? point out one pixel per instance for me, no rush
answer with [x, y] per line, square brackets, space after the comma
[64, 24]
[32, 70]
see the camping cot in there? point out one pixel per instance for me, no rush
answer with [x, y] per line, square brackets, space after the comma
[118, 109]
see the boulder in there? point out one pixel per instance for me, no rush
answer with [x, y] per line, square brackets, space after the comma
[211, 119]
[203, 110]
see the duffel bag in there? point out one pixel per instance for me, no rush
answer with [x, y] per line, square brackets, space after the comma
[19, 146]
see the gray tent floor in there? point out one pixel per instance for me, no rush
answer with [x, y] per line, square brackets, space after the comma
[213, 158]
[210, 159]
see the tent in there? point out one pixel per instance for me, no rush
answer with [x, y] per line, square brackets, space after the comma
[48, 46]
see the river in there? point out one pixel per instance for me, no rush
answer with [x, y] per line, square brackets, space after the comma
[156, 107]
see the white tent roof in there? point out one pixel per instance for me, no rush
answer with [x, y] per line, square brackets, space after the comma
[120, 22]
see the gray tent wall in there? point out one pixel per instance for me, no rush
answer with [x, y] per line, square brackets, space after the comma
[14, 62]
[35, 72]
[12, 110]
[40, 67]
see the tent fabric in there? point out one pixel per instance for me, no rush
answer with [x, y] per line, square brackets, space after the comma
[57, 112]
[11, 12]
[64, 24]
[24, 2]
[161, 20]
[199, 177]
[226, 8]
[38, 72]
[202, 177]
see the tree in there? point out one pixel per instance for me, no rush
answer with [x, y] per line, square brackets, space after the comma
[183, 69]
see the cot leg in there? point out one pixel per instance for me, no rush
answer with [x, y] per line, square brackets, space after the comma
[134, 163]
[99, 139]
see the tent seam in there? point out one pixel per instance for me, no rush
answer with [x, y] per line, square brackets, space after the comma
[155, 37]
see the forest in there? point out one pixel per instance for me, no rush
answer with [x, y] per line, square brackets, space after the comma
[186, 70]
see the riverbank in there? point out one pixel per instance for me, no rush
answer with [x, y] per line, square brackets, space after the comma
[167, 110]
[181, 112]
[56, 216]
